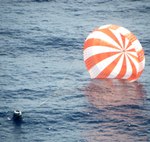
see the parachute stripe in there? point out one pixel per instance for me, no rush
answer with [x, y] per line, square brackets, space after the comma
[104, 37]
[97, 68]
[128, 68]
[107, 71]
[129, 45]
[123, 68]
[93, 50]
[118, 36]
[98, 42]
[111, 51]
[134, 71]
[111, 34]
[123, 40]
[115, 72]
[134, 59]
[123, 30]
[131, 37]
[90, 62]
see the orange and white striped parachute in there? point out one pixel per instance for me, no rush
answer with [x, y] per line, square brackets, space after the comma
[112, 51]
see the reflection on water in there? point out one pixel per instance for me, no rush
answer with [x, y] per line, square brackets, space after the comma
[107, 92]
[118, 113]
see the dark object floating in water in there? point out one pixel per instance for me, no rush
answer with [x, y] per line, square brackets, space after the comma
[17, 116]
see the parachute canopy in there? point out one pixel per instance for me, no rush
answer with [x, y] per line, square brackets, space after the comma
[111, 51]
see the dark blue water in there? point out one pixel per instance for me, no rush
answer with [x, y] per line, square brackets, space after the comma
[42, 73]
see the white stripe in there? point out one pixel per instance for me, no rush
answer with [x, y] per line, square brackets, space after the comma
[118, 36]
[117, 68]
[99, 67]
[142, 65]
[134, 61]
[93, 50]
[123, 30]
[102, 36]
[137, 45]
[131, 47]
[126, 42]
[105, 26]
[129, 69]
[132, 53]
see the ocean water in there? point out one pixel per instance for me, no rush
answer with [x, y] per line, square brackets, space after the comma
[42, 73]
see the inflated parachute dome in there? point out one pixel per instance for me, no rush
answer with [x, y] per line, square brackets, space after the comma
[111, 51]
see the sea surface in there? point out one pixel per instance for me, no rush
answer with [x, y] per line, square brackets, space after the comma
[42, 73]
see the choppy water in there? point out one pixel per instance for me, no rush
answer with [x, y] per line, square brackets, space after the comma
[42, 73]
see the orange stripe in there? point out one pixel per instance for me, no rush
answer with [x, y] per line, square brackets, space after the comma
[134, 57]
[141, 55]
[93, 60]
[110, 34]
[97, 42]
[106, 72]
[123, 40]
[129, 44]
[131, 37]
[123, 69]
[134, 71]
[131, 50]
